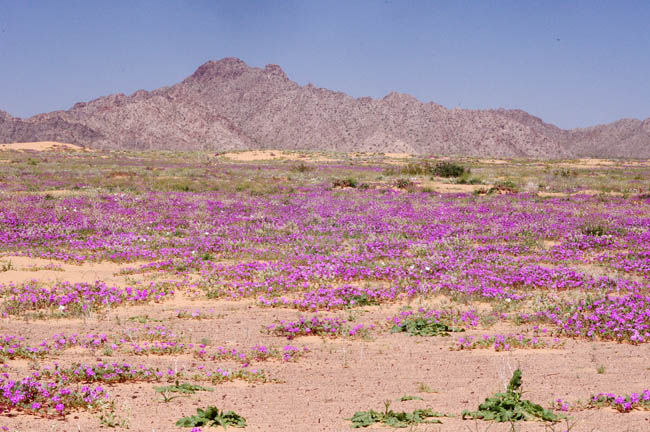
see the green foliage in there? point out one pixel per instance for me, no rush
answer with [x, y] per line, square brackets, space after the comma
[403, 183]
[363, 300]
[425, 388]
[449, 169]
[423, 168]
[302, 167]
[182, 389]
[394, 419]
[594, 230]
[466, 179]
[420, 326]
[510, 407]
[505, 186]
[108, 417]
[408, 398]
[143, 319]
[211, 416]
[441, 169]
[565, 172]
[345, 183]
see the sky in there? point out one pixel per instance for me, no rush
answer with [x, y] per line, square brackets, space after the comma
[572, 63]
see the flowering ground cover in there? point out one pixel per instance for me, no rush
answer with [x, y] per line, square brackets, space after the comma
[296, 290]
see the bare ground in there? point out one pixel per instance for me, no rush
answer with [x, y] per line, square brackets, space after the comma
[321, 390]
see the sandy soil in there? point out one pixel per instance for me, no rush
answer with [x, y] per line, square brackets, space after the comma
[337, 377]
[42, 146]
[582, 192]
[587, 163]
[494, 161]
[267, 155]
[270, 155]
[443, 187]
[25, 269]
[398, 155]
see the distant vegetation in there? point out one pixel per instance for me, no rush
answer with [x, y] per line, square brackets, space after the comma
[426, 168]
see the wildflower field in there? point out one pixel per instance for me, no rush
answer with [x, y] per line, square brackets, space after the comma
[322, 292]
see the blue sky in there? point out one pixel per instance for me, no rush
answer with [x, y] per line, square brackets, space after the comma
[573, 63]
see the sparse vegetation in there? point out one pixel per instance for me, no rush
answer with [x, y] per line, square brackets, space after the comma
[388, 417]
[510, 406]
[211, 416]
[175, 283]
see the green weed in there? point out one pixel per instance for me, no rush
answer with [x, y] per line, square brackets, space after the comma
[167, 392]
[420, 326]
[510, 407]
[394, 419]
[211, 416]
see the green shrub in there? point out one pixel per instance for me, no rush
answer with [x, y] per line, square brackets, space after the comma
[505, 186]
[343, 183]
[449, 169]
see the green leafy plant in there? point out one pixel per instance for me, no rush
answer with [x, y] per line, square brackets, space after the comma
[167, 392]
[420, 326]
[211, 416]
[594, 230]
[408, 398]
[394, 419]
[108, 417]
[143, 319]
[510, 407]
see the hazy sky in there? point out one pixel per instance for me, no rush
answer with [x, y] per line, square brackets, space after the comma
[573, 63]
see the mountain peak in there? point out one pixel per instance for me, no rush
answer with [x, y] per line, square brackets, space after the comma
[228, 67]
[5, 116]
[275, 70]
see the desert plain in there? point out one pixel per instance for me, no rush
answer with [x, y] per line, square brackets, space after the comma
[297, 289]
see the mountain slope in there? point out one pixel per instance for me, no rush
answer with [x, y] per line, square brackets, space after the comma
[227, 105]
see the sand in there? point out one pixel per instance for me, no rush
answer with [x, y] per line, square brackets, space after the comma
[41, 146]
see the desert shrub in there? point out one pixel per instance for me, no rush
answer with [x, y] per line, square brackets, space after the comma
[302, 167]
[564, 172]
[346, 182]
[449, 169]
[422, 168]
[505, 186]
[403, 183]
[466, 179]
[441, 169]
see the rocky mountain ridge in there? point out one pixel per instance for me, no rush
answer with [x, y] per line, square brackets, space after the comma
[228, 105]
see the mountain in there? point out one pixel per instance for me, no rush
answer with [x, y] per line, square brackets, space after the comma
[227, 105]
